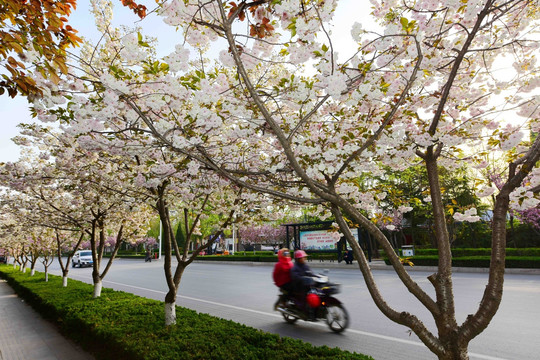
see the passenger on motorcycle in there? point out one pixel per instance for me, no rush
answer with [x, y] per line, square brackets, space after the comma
[282, 271]
[302, 278]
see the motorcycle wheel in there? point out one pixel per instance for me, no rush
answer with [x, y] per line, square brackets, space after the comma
[289, 304]
[337, 318]
[289, 318]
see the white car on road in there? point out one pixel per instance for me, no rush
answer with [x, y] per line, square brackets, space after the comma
[82, 258]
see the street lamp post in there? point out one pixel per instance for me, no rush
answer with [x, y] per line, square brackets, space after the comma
[235, 245]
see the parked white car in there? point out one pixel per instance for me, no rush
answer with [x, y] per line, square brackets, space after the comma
[82, 258]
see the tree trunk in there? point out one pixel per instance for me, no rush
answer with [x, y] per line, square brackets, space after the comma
[46, 275]
[97, 288]
[442, 280]
[32, 272]
[170, 313]
[64, 280]
[455, 352]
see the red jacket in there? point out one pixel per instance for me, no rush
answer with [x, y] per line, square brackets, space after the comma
[282, 270]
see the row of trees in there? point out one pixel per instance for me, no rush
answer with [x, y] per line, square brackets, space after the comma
[279, 118]
[76, 195]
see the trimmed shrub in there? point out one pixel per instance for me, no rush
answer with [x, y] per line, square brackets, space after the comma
[322, 256]
[458, 252]
[251, 258]
[119, 325]
[524, 262]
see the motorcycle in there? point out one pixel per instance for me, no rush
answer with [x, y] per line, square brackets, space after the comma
[329, 308]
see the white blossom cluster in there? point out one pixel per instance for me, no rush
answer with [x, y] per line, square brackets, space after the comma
[523, 199]
[469, 215]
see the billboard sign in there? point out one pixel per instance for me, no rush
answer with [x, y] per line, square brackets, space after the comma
[318, 240]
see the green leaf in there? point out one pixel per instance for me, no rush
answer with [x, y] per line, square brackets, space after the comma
[292, 27]
[404, 22]
[140, 40]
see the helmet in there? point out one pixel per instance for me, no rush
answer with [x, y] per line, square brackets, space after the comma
[313, 300]
[300, 254]
[283, 253]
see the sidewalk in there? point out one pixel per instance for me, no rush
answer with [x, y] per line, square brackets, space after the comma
[24, 335]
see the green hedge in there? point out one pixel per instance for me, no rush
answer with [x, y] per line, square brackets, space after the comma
[119, 325]
[252, 258]
[524, 262]
[126, 256]
[322, 256]
[461, 252]
[263, 258]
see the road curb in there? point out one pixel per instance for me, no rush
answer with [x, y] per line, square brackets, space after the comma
[376, 265]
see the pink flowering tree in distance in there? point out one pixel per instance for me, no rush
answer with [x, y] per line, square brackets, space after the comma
[281, 113]
[266, 234]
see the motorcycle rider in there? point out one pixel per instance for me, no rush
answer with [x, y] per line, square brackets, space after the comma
[282, 274]
[302, 278]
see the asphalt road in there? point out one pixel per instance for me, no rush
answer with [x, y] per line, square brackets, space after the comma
[246, 294]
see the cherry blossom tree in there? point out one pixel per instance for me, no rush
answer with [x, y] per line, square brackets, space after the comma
[193, 206]
[78, 192]
[109, 210]
[419, 90]
[268, 234]
[154, 177]
[67, 243]
[43, 247]
[281, 114]
[35, 196]
[33, 253]
[166, 184]
[12, 238]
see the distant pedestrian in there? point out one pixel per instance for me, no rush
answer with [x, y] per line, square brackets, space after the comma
[148, 257]
[349, 257]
